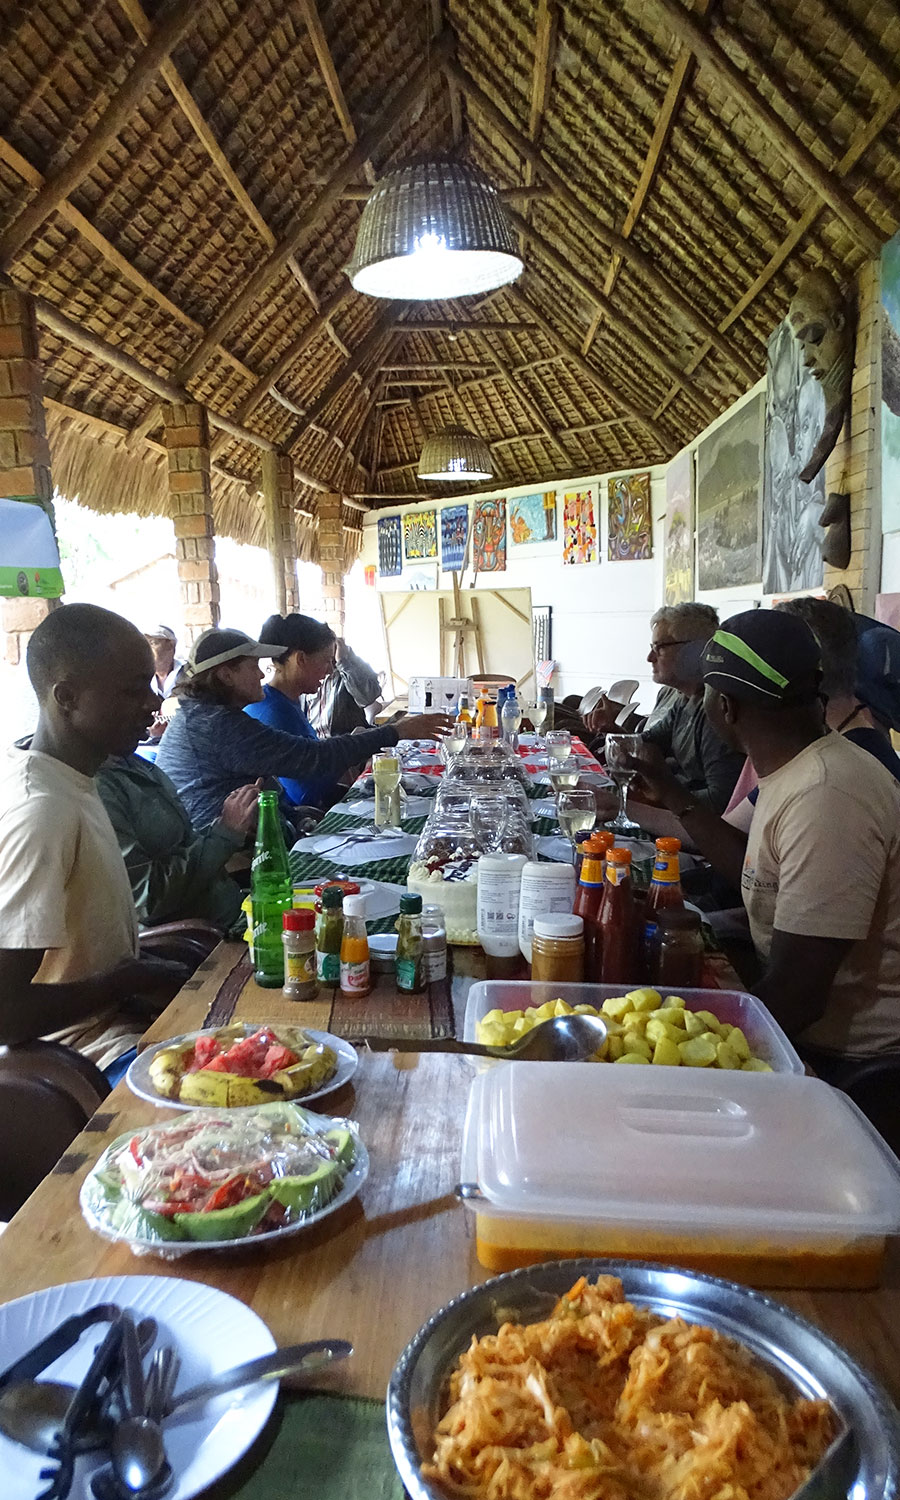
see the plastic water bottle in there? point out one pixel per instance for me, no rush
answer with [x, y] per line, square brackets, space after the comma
[271, 893]
[511, 715]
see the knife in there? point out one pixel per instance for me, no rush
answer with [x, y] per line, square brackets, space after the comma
[294, 1359]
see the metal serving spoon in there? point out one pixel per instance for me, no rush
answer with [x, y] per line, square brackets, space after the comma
[561, 1039]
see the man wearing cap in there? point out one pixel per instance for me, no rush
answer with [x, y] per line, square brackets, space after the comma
[212, 747]
[166, 665]
[820, 869]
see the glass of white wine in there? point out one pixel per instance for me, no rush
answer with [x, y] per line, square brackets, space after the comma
[576, 810]
[561, 781]
[537, 713]
[386, 776]
[559, 748]
[453, 742]
[620, 751]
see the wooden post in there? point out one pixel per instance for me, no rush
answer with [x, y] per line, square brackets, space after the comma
[281, 538]
[331, 559]
[186, 437]
[24, 454]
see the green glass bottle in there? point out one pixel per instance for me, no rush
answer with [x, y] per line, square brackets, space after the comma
[271, 893]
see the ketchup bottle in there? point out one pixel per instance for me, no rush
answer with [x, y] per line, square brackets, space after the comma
[618, 924]
[588, 898]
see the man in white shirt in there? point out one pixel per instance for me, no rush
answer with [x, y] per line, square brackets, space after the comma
[69, 968]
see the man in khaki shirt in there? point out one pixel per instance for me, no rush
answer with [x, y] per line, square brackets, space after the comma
[69, 967]
[820, 869]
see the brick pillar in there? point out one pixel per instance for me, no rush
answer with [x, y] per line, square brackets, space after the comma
[186, 436]
[331, 559]
[854, 465]
[24, 454]
[281, 536]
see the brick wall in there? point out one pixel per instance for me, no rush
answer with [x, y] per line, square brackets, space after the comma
[854, 466]
[186, 436]
[331, 559]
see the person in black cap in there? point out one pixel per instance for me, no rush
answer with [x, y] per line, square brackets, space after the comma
[820, 870]
[212, 747]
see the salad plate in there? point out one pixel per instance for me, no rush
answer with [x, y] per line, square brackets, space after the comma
[205, 1327]
[140, 1082]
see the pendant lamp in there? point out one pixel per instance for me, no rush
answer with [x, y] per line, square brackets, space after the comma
[433, 230]
[454, 453]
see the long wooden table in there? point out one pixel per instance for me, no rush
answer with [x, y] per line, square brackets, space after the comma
[380, 1267]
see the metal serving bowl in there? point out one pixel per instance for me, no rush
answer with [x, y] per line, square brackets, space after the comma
[793, 1349]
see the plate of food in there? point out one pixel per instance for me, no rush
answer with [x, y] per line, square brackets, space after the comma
[242, 1065]
[213, 1179]
[552, 1378]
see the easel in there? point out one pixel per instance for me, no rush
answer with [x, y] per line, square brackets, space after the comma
[460, 629]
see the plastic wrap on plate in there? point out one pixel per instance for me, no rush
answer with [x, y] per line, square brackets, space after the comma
[213, 1177]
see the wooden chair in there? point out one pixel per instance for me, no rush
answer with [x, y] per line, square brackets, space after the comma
[47, 1095]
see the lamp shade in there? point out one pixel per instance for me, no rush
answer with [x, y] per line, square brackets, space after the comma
[433, 230]
[454, 453]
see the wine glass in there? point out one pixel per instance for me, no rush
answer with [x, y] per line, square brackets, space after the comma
[453, 742]
[576, 810]
[537, 713]
[562, 780]
[559, 748]
[386, 776]
[620, 750]
[488, 816]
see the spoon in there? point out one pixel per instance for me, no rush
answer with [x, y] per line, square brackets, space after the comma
[31, 1411]
[561, 1039]
[137, 1450]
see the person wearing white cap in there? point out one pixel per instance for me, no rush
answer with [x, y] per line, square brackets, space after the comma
[166, 665]
[212, 747]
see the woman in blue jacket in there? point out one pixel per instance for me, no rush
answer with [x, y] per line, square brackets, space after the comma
[308, 659]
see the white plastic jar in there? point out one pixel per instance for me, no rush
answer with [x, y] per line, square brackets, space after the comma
[499, 879]
[545, 889]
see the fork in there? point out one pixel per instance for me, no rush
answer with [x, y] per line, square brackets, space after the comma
[62, 1452]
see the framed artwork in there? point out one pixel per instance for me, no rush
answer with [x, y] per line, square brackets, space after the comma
[630, 535]
[679, 533]
[795, 416]
[489, 536]
[390, 558]
[579, 527]
[454, 535]
[890, 385]
[541, 622]
[729, 491]
[420, 535]
[369, 574]
[532, 518]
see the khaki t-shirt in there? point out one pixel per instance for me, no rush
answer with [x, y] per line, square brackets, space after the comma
[823, 860]
[64, 886]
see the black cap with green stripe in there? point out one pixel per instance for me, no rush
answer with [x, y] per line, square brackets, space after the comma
[766, 657]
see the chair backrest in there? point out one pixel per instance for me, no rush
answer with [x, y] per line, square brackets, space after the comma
[60, 1067]
[38, 1120]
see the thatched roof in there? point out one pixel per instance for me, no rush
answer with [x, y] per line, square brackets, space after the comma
[182, 183]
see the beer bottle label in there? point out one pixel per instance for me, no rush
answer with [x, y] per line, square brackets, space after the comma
[328, 967]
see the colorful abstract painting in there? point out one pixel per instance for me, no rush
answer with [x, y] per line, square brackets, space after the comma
[679, 543]
[630, 536]
[390, 559]
[579, 527]
[729, 493]
[420, 535]
[890, 385]
[532, 518]
[454, 534]
[489, 536]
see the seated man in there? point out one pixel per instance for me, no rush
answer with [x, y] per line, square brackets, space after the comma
[175, 871]
[820, 869]
[69, 968]
[348, 699]
[689, 622]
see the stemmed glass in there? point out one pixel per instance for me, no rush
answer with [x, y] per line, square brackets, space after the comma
[620, 750]
[488, 816]
[386, 776]
[537, 713]
[576, 810]
[559, 748]
[453, 742]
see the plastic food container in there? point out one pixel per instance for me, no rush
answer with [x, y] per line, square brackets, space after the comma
[766, 1038]
[773, 1180]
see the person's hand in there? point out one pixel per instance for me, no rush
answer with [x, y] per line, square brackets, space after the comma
[655, 782]
[157, 728]
[602, 717]
[239, 808]
[423, 726]
[148, 983]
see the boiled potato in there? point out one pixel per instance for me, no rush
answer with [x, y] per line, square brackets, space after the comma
[692, 1024]
[615, 1048]
[710, 1022]
[658, 1030]
[644, 999]
[666, 1053]
[738, 1043]
[726, 1057]
[635, 1020]
[632, 1041]
[673, 1002]
[634, 1057]
[698, 1052]
[755, 1065]
[670, 1015]
[617, 1007]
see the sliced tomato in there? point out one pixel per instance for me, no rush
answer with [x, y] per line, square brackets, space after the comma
[227, 1194]
[217, 1065]
[277, 1057]
[134, 1146]
[205, 1049]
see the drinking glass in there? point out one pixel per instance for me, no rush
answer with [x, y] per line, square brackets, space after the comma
[620, 749]
[537, 713]
[576, 810]
[453, 742]
[488, 816]
[386, 775]
[559, 748]
[562, 780]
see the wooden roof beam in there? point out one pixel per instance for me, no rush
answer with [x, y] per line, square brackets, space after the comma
[537, 192]
[533, 411]
[464, 325]
[182, 95]
[463, 367]
[642, 263]
[174, 20]
[826, 183]
[275, 261]
[438, 22]
[545, 37]
[665, 122]
[373, 342]
[629, 407]
[332, 81]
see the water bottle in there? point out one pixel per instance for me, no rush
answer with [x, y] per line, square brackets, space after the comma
[510, 715]
[271, 893]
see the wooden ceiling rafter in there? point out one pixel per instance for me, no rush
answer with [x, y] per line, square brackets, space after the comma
[331, 79]
[546, 30]
[369, 348]
[457, 123]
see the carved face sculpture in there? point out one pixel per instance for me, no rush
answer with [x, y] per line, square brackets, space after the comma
[818, 317]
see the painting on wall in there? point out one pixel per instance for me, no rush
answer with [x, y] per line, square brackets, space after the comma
[729, 491]
[532, 518]
[489, 536]
[630, 534]
[454, 535]
[890, 385]
[795, 415]
[420, 535]
[679, 534]
[390, 558]
[579, 527]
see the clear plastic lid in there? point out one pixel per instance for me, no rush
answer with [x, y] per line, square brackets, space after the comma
[765, 1152]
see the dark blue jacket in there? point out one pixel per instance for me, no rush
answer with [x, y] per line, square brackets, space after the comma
[279, 712]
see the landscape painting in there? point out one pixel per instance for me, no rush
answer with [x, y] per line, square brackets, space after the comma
[630, 535]
[679, 534]
[532, 518]
[579, 527]
[729, 489]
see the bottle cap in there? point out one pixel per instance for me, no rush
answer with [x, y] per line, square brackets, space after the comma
[618, 856]
[346, 887]
[410, 904]
[599, 842]
[558, 927]
[333, 897]
[668, 846]
[299, 921]
[354, 906]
